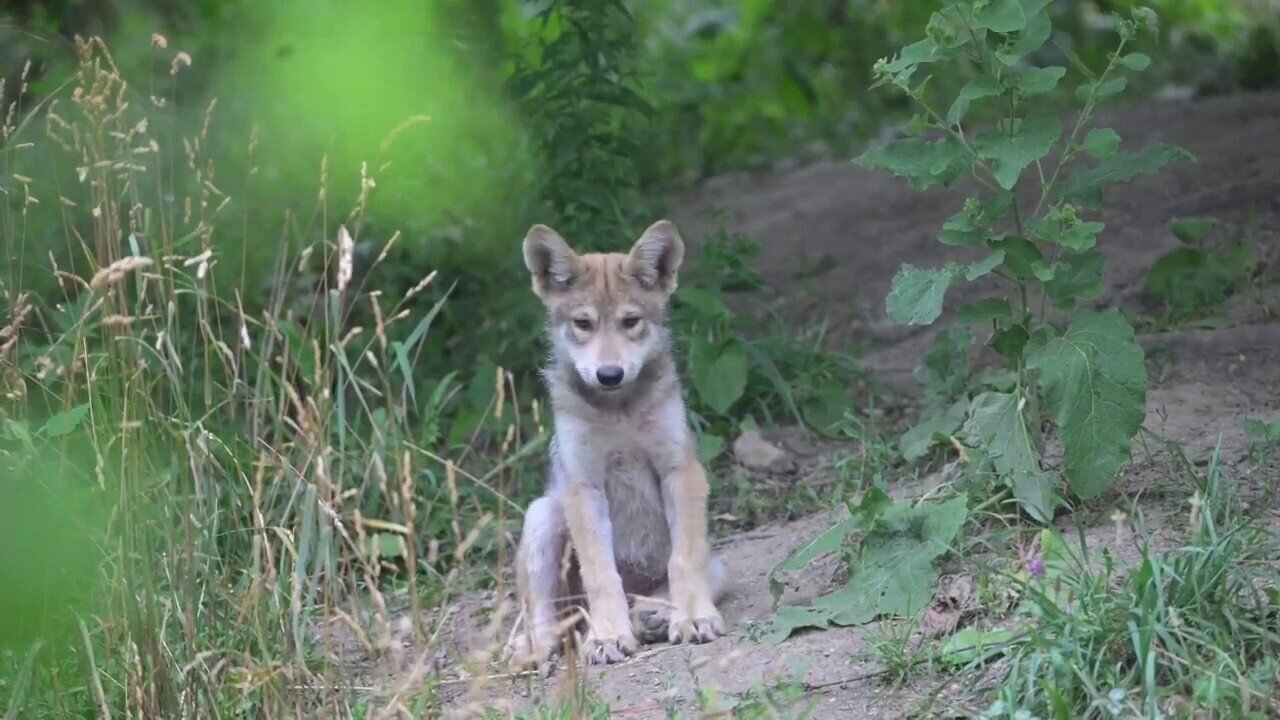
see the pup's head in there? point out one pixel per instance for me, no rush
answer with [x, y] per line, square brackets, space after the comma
[606, 312]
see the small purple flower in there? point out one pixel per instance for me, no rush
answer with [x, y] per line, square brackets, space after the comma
[1035, 566]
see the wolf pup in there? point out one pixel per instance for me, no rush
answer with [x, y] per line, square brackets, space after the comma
[625, 510]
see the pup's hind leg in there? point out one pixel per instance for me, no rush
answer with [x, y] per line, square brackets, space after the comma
[541, 570]
[651, 617]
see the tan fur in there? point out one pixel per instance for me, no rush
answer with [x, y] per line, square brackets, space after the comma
[625, 509]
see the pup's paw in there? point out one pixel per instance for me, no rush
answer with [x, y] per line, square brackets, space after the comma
[606, 651]
[695, 630]
[651, 625]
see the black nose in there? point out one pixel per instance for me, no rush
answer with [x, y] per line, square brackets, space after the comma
[609, 375]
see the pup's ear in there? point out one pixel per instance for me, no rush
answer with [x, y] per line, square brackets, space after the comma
[655, 258]
[550, 260]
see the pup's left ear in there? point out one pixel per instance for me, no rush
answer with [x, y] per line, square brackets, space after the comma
[655, 258]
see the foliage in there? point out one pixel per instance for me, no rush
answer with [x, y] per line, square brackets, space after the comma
[1185, 633]
[1086, 373]
[1264, 439]
[1199, 274]
[574, 79]
[892, 571]
[734, 371]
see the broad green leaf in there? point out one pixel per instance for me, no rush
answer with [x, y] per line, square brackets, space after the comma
[1040, 80]
[825, 406]
[944, 374]
[1189, 278]
[1260, 431]
[1002, 16]
[1101, 143]
[984, 311]
[1085, 185]
[979, 87]
[1191, 231]
[1031, 140]
[1010, 341]
[873, 504]
[915, 297]
[1033, 36]
[1061, 227]
[920, 438]
[1076, 278]
[962, 229]
[65, 421]
[709, 447]
[1022, 257]
[1094, 383]
[998, 425]
[1135, 61]
[1102, 90]
[790, 619]
[975, 270]
[719, 373]
[895, 572]
[706, 303]
[972, 645]
[923, 163]
[917, 53]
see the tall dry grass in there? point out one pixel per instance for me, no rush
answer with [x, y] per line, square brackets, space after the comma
[267, 522]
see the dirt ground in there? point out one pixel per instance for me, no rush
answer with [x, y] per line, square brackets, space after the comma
[833, 235]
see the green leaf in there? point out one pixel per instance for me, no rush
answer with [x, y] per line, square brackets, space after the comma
[1101, 143]
[915, 297]
[1189, 278]
[962, 228]
[1085, 185]
[923, 163]
[1002, 16]
[1094, 383]
[705, 303]
[1040, 81]
[1010, 341]
[1031, 140]
[1102, 90]
[972, 645]
[917, 53]
[982, 267]
[719, 374]
[1061, 227]
[984, 311]
[709, 448]
[1033, 36]
[944, 374]
[894, 573]
[979, 87]
[998, 425]
[1135, 61]
[1192, 230]
[1075, 278]
[825, 407]
[1022, 257]
[65, 421]
[920, 438]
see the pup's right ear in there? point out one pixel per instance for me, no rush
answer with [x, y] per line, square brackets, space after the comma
[551, 262]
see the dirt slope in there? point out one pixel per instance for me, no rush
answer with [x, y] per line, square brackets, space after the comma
[861, 226]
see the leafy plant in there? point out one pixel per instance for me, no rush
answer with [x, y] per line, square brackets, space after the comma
[1264, 439]
[892, 570]
[1086, 374]
[1199, 274]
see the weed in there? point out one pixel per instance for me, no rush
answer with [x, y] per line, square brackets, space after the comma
[1200, 274]
[1187, 632]
[1043, 253]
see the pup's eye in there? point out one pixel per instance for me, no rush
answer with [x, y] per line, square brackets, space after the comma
[630, 321]
[582, 323]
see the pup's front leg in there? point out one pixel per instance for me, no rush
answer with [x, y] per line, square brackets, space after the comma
[694, 617]
[609, 637]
